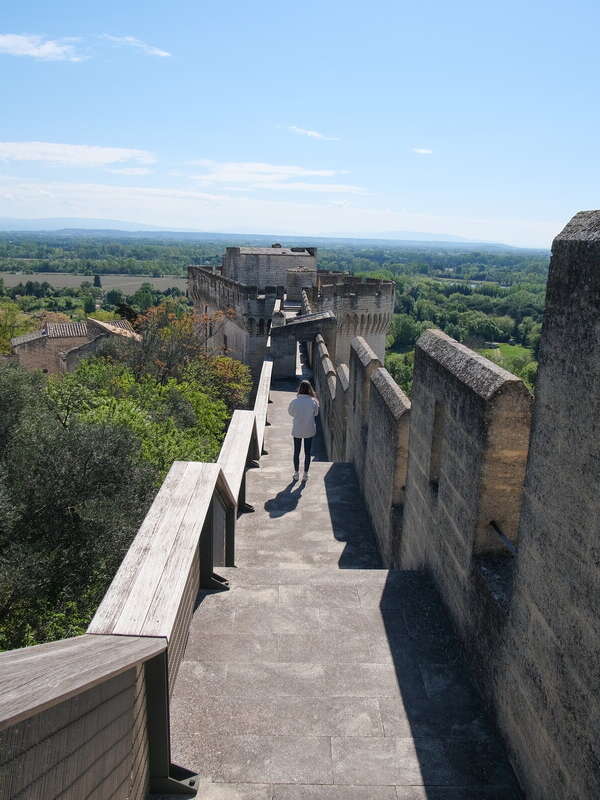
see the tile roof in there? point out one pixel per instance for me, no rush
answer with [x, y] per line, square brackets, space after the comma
[66, 329]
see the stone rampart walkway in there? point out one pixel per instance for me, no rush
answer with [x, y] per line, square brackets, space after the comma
[319, 675]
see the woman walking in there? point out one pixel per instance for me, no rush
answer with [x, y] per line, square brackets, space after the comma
[303, 409]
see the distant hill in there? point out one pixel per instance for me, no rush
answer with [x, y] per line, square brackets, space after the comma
[119, 229]
[410, 236]
[62, 223]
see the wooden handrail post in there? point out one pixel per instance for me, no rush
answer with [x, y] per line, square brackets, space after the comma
[165, 777]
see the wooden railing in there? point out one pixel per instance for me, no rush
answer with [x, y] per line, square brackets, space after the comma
[89, 716]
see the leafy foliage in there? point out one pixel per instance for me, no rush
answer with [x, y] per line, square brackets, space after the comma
[81, 457]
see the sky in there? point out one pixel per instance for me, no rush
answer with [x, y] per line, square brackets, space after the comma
[324, 117]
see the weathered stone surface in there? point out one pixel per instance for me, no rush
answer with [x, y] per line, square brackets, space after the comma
[548, 673]
[330, 682]
[472, 370]
[386, 460]
[334, 793]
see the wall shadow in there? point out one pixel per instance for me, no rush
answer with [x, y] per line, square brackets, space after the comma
[349, 519]
[438, 710]
[455, 739]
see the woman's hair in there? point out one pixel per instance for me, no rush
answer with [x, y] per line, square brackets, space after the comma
[306, 388]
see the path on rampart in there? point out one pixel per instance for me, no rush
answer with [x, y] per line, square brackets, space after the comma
[319, 675]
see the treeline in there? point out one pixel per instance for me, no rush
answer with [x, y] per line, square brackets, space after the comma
[82, 456]
[88, 256]
[484, 316]
[55, 252]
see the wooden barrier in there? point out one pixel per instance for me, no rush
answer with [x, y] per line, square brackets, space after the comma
[262, 402]
[89, 716]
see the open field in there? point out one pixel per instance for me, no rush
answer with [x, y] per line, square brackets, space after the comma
[507, 351]
[128, 284]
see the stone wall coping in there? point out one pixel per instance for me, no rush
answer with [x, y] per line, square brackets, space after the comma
[344, 376]
[475, 371]
[364, 352]
[327, 365]
[319, 316]
[392, 395]
[583, 227]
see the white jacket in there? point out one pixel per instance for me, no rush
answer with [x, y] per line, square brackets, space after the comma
[304, 409]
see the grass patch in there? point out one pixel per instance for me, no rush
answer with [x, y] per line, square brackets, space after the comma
[507, 352]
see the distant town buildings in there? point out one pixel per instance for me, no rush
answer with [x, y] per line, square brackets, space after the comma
[59, 347]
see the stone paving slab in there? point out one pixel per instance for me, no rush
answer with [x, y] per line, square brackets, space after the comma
[319, 675]
[259, 759]
[282, 716]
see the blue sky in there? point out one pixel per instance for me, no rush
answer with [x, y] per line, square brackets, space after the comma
[474, 119]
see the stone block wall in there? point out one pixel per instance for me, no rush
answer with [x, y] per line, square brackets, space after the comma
[365, 418]
[233, 318]
[326, 386]
[297, 279]
[266, 266]
[468, 448]
[44, 352]
[69, 359]
[546, 690]
[363, 307]
[384, 477]
[363, 363]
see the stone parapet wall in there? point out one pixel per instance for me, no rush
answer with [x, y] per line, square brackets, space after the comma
[297, 279]
[233, 318]
[546, 687]
[362, 306]
[500, 508]
[468, 448]
[266, 266]
[384, 476]
[363, 363]
[365, 417]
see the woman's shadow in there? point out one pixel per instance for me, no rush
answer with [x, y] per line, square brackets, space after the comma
[285, 501]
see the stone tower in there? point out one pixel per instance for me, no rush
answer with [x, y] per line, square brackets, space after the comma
[362, 307]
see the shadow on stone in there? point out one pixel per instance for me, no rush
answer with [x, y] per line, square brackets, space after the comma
[349, 519]
[455, 740]
[285, 501]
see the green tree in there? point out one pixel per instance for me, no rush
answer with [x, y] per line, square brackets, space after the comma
[114, 297]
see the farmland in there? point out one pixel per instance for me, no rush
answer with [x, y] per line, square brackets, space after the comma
[128, 284]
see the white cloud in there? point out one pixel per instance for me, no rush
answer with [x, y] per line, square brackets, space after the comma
[245, 175]
[131, 171]
[131, 41]
[39, 47]
[312, 134]
[300, 186]
[77, 155]
[422, 151]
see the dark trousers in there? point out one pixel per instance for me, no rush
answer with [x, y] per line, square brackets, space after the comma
[307, 448]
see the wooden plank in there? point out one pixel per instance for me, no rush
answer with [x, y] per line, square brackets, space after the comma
[177, 514]
[240, 443]
[160, 590]
[109, 609]
[261, 403]
[36, 678]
